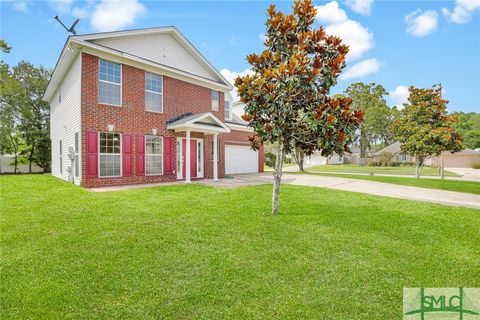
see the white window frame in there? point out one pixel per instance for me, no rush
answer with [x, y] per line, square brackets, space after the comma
[229, 110]
[105, 81]
[161, 156]
[217, 106]
[120, 154]
[200, 158]
[149, 91]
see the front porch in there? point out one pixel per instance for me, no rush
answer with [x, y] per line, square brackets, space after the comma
[191, 151]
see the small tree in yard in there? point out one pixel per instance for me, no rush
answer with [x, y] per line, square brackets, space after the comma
[424, 128]
[287, 99]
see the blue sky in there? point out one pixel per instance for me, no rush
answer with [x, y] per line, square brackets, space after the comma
[393, 43]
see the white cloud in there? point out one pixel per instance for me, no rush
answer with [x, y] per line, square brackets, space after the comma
[361, 69]
[61, 6]
[359, 39]
[462, 12]
[19, 6]
[360, 6]
[231, 76]
[399, 96]
[81, 12]
[421, 24]
[112, 15]
[331, 13]
[355, 35]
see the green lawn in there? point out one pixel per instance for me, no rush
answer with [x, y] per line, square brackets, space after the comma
[285, 165]
[352, 168]
[450, 185]
[196, 252]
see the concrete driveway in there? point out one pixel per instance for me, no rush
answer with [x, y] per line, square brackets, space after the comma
[363, 186]
[467, 173]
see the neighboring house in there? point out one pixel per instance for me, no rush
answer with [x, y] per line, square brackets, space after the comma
[395, 150]
[336, 158]
[462, 159]
[142, 106]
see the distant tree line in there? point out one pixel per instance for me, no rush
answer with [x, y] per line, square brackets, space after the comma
[468, 125]
[24, 116]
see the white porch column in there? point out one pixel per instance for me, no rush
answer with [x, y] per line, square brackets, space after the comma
[187, 158]
[215, 157]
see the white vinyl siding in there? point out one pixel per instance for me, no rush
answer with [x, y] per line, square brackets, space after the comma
[163, 49]
[109, 83]
[110, 155]
[60, 150]
[65, 121]
[153, 155]
[215, 100]
[153, 92]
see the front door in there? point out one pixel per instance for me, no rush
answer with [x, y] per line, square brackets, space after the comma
[196, 158]
[193, 157]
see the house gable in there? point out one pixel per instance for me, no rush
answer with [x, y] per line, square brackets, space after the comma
[163, 49]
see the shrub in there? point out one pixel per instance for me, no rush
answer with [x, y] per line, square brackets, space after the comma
[476, 165]
[374, 164]
[386, 158]
[270, 159]
[287, 160]
[408, 164]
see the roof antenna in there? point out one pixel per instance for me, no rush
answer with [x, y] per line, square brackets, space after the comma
[72, 28]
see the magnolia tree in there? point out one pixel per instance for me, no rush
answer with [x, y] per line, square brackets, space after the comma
[424, 128]
[286, 97]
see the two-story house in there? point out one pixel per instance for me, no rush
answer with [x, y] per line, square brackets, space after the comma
[142, 106]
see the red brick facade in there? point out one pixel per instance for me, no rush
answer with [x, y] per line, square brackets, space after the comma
[179, 97]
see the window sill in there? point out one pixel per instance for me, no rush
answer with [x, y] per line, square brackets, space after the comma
[103, 177]
[109, 105]
[156, 112]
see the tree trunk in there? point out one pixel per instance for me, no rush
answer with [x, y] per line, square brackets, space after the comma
[299, 157]
[277, 178]
[15, 154]
[418, 165]
[442, 168]
[15, 163]
[30, 160]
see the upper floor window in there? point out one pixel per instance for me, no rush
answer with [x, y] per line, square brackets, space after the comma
[110, 83]
[153, 92]
[153, 155]
[110, 154]
[215, 100]
[228, 111]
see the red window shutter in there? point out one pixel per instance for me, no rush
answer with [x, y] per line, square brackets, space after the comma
[92, 154]
[140, 155]
[127, 155]
[167, 155]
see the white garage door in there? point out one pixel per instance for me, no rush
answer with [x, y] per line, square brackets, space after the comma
[240, 159]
